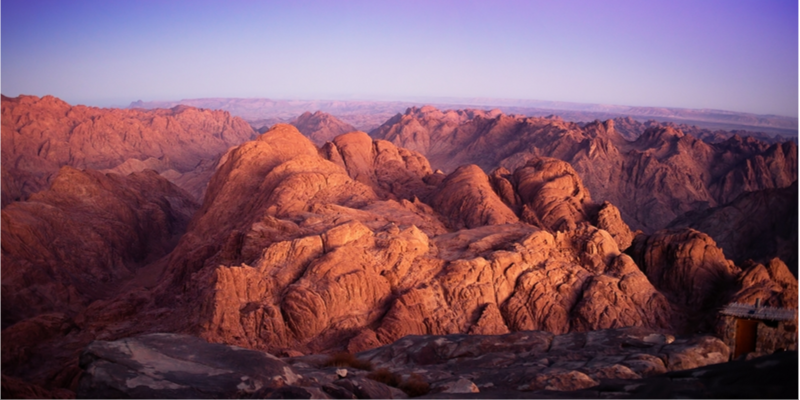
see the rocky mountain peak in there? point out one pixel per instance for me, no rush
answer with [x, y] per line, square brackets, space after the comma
[321, 127]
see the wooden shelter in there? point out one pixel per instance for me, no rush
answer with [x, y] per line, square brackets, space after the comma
[756, 329]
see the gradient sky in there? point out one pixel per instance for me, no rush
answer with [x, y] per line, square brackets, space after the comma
[730, 54]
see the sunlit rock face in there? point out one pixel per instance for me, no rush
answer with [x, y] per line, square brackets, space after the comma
[319, 251]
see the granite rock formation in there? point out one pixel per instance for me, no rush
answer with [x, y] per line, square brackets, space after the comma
[392, 172]
[688, 267]
[301, 234]
[328, 241]
[771, 283]
[466, 199]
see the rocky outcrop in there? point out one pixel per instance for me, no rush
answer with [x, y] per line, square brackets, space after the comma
[552, 194]
[420, 129]
[393, 172]
[609, 219]
[40, 135]
[688, 267]
[629, 128]
[684, 261]
[321, 127]
[466, 199]
[771, 283]
[306, 263]
[303, 240]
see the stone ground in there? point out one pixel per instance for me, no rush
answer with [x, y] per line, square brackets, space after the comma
[614, 363]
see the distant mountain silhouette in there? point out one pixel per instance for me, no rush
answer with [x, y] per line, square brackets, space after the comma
[366, 115]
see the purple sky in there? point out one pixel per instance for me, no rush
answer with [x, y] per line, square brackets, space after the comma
[730, 54]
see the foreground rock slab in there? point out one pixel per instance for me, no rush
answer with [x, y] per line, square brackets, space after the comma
[177, 366]
[613, 363]
[535, 360]
[769, 377]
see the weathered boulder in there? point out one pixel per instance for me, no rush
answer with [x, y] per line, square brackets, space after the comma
[552, 194]
[467, 200]
[610, 220]
[393, 172]
[771, 283]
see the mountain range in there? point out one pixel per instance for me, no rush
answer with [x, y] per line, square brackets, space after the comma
[306, 240]
[366, 115]
[653, 176]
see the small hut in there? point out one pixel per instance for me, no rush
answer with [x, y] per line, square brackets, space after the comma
[760, 330]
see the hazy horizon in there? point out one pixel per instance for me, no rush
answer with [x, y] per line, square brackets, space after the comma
[739, 56]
